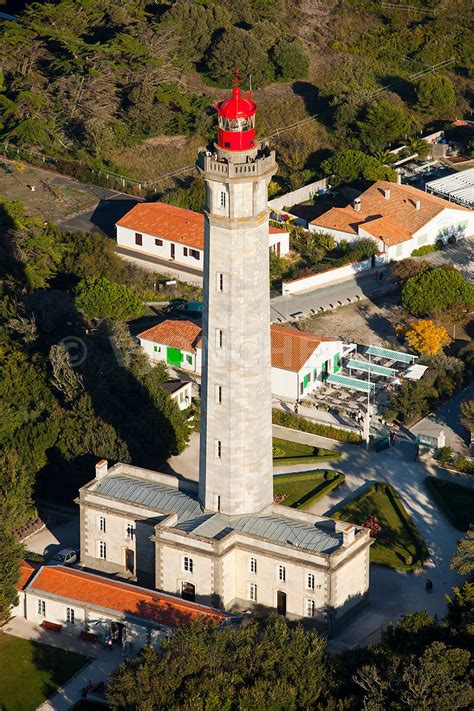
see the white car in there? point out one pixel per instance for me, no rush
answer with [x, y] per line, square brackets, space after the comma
[66, 556]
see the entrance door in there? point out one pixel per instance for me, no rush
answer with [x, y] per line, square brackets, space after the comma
[172, 250]
[281, 602]
[174, 356]
[188, 591]
[130, 560]
[324, 370]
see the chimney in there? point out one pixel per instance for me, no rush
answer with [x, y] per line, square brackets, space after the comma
[101, 469]
[399, 176]
[348, 535]
[417, 204]
[386, 193]
[357, 204]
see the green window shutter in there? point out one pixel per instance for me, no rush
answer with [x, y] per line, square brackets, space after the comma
[155, 348]
[337, 361]
[189, 359]
[174, 356]
[306, 381]
[315, 374]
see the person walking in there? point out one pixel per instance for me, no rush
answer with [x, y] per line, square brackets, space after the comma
[429, 586]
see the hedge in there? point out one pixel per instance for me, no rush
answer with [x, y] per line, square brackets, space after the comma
[297, 422]
[426, 249]
[337, 480]
[459, 518]
[423, 551]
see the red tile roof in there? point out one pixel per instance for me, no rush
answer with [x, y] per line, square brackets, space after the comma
[175, 224]
[166, 221]
[27, 570]
[291, 348]
[77, 586]
[185, 335]
[399, 211]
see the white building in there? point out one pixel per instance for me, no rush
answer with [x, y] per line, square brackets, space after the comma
[301, 361]
[225, 543]
[180, 391]
[93, 607]
[399, 218]
[156, 229]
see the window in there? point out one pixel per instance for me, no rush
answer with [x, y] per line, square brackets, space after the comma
[310, 608]
[301, 388]
[253, 592]
[219, 281]
[157, 349]
[315, 374]
[218, 447]
[253, 565]
[219, 338]
[219, 394]
[194, 253]
[102, 550]
[138, 239]
[282, 573]
[217, 502]
[223, 198]
[70, 615]
[102, 524]
[310, 581]
[158, 242]
[130, 530]
[42, 608]
[187, 564]
[189, 359]
[185, 251]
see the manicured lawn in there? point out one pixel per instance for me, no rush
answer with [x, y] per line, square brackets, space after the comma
[400, 545]
[287, 452]
[455, 500]
[305, 488]
[30, 672]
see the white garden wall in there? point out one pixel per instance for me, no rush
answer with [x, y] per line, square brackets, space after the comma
[332, 275]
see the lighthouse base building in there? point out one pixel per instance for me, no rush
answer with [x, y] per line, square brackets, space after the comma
[224, 542]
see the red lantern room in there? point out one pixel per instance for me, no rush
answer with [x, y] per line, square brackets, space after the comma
[236, 121]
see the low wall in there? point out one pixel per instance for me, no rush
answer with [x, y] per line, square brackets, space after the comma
[300, 195]
[331, 275]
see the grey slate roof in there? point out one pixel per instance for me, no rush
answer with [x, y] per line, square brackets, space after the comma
[319, 537]
[154, 496]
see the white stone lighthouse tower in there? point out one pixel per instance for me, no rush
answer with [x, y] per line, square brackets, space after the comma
[235, 468]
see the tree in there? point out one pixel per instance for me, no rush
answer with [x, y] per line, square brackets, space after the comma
[419, 146]
[277, 267]
[11, 554]
[195, 24]
[242, 48]
[349, 165]
[436, 290]
[427, 338]
[460, 613]
[407, 268]
[291, 59]
[383, 124]
[100, 298]
[467, 410]
[436, 95]
[65, 378]
[263, 665]
[463, 559]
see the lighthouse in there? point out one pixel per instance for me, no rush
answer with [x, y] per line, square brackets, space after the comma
[235, 467]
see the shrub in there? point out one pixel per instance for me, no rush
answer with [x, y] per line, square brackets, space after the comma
[444, 455]
[426, 249]
[296, 422]
[452, 239]
[100, 298]
[439, 244]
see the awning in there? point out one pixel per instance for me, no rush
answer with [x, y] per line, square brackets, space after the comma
[351, 383]
[371, 368]
[414, 372]
[391, 355]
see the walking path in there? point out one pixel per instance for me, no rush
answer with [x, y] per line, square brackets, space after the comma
[70, 694]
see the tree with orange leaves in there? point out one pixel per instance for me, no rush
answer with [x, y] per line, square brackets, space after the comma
[426, 337]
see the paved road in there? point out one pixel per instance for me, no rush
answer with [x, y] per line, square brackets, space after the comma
[448, 418]
[110, 207]
[461, 255]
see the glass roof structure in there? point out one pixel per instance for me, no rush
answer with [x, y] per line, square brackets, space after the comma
[352, 383]
[371, 368]
[391, 355]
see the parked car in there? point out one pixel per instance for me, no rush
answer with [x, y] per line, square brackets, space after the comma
[66, 556]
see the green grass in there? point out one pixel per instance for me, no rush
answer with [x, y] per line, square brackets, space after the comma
[307, 487]
[400, 545]
[30, 672]
[287, 452]
[455, 500]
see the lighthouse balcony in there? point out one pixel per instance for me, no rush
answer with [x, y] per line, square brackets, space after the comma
[213, 164]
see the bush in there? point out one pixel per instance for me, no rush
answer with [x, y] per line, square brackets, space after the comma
[100, 298]
[452, 239]
[444, 455]
[439, 244]
[426, 249]
[296, 422]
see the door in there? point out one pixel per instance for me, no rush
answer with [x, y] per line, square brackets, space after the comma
[172, 250]
[188, 591]
[281, 602]
[324, 370]
[130, 560]
[174, 356]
